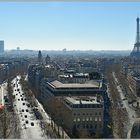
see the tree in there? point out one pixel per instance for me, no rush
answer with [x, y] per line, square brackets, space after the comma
[8, 121]
[75, 131]
[83, 133]
[94, 75]
[97, 134]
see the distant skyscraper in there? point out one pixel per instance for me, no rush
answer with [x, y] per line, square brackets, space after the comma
[47, 59]
[136, 50]
[18, 48]
[39, 57]
[64, 50]
[1, 46]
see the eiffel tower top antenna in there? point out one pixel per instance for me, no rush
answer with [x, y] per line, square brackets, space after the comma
[138, 33]
[136, 49]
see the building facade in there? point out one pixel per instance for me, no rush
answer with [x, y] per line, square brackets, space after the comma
[84, 114]
[1, 46]
[56, 88]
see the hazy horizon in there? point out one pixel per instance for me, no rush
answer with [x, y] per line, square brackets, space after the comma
[93, 26]
[61, 50]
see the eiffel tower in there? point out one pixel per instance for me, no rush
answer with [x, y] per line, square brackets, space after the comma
[136, 50]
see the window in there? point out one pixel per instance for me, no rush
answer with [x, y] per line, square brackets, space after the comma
[100, 119]
[95, 113]
[90, 126]
[74, 119]
[86, 106]
[83, 126]
[78, 119]
[87, 126]
[87, 119]
[95, 106]
[95, 119]
[78, 126]
[90, 119]
[95, 126]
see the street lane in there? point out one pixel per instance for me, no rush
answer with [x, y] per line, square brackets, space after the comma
[30, 128]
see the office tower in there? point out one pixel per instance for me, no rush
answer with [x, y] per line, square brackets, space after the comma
[1, 46]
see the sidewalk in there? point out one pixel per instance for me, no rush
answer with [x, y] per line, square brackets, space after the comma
[47, 119]
[2, 93]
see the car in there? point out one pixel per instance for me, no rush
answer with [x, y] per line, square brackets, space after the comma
[24, 126]
[27, 110]
[27, 121]
[35, 109]
[23, 103]
[18, 99]
[25, 116]
[38, 114]
[6, 99]
[21, 99]
[131, 101]
[28, 105]
[22, 110]
[32, 124]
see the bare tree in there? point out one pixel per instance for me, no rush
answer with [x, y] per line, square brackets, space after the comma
[7, 121]
[83, 133]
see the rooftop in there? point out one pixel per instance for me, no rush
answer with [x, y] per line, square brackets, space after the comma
[2, 66]
[57, 84]
[79, 100]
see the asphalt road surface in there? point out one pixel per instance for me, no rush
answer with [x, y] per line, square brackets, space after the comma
[30, 128]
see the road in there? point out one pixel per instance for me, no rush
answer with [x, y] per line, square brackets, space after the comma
[130, 111]
[49, 121]
[30, 128]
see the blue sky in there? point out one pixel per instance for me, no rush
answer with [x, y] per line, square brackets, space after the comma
[71, 25]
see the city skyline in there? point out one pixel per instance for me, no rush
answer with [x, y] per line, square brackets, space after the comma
[71, 25]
